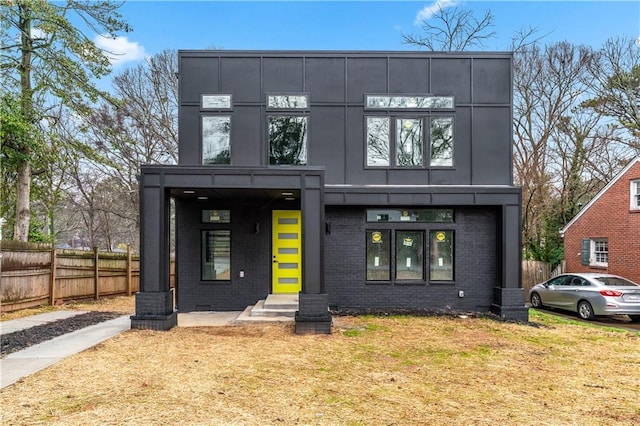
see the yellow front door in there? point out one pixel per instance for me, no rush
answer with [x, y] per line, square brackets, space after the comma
[286, 259]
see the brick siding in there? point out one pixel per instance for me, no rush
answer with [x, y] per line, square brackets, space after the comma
[474, 263]
[609, 217]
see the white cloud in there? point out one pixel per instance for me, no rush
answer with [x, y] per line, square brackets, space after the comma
[638, 41]
[120, 50]
[38, 34]
[428, 11]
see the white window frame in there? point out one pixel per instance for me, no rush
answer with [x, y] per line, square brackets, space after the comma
[596, 252]
[634, 192]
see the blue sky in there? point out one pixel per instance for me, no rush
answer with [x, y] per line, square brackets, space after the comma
[346, 25]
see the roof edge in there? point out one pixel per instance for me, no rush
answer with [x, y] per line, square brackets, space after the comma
[615, 179]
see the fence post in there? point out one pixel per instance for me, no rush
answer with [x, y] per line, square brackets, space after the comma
[128, 269]
[52, 282]
[96, 273]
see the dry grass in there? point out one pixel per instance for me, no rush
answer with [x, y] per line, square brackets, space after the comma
[370, 371]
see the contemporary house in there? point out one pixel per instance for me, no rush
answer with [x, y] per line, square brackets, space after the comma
[605, 235]
[358, 180]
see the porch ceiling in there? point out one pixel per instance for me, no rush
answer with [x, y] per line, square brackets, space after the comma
[235, 193]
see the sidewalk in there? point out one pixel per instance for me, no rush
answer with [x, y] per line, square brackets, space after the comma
[34, 358]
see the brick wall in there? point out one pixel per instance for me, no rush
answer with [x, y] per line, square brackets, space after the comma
[250, 252]
[609, 217]
[475, 264]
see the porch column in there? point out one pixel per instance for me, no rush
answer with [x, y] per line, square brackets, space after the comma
[313, 316]
[508, 295]
[154, 302]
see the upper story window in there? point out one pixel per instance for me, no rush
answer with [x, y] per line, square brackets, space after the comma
[408, 102]
[287, 140]
[216, 129]
[635, 194]
[408, 143]
[215, 102]
[287, 128]
[288, 101]
[441, 137]
[216, 139]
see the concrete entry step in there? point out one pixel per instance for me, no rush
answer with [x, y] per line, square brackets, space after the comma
[283, 302]
[275, 308]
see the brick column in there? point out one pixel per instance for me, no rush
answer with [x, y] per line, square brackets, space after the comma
[154, 302]
[508, 295]
[313, 316]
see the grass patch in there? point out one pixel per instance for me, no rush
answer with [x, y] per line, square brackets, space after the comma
[370, 371]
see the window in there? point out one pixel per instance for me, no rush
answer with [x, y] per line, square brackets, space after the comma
[635, 195]
[441, 137]
[216, 255]
[410, 215]
[441, 256]
[293, 101]
[409, 255]
[595, 252]
[408, 102]
[216, 139]
[600, 252]
[378, 141]
[287, 140]
[378, 255]
[216, 216]
[409, 142]
[215, 102]
[398, 255]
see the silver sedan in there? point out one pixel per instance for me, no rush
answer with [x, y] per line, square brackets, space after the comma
[589, 294]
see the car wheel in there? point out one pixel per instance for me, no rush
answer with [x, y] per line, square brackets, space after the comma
[635, 318]
[585, 310]
[536, 301]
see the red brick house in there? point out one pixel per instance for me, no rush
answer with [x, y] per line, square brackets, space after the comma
[605, 235]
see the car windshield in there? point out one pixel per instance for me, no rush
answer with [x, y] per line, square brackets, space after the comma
[616, 282]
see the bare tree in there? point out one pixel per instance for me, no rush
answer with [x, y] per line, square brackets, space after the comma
[453, 29]
[615, 82]
[139, 128]
[563, 153]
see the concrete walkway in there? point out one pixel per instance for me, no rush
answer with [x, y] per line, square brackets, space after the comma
[23, 363]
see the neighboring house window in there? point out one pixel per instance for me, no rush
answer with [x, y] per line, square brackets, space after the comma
[595, 252]
[216, 255]
[408, 262]
[216, 139]
[287, 133]
[635, 195]
[600, 252]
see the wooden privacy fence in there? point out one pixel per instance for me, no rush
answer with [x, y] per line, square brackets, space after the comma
[534, 272]
[33, 275]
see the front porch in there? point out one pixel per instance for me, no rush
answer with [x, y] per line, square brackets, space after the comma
[275, 308]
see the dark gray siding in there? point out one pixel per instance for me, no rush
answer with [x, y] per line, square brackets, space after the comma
[337, 83]
[475, 265]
